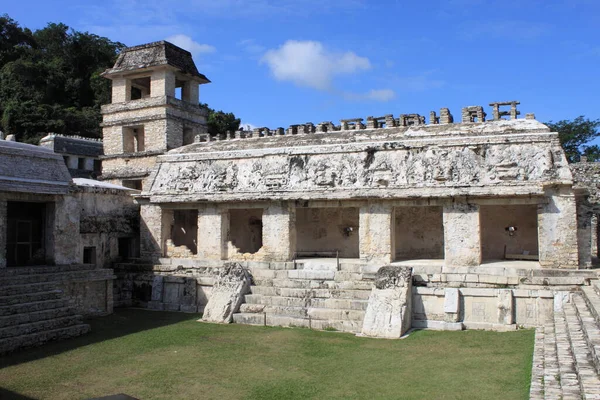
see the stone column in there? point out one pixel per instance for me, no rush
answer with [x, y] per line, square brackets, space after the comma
[213, 227]
[3, 229]
[155, 227]
[462, 234]
[557, 229]
[376, 233]
[584, 237]
[594, 228]
[121, 90]
[279, 232]
[65, 232]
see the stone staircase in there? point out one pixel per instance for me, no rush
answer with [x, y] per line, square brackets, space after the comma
[566, 362]
[33, 310]
[316, 295]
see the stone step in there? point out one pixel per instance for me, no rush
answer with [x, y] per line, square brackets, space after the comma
[303, 312]
[311, 293]
[39, 326]
[45, 269]
[323, 284]
[346, 304]
[560, 362]
[592, 298]
[30, 297]
[589, 328]
[34, 316]
[286, 321]
[326, 293]
[10, 344]
[32, 307]
[26, 288]
[588, 377]
[19, 279]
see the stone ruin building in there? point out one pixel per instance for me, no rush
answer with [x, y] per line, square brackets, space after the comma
[373, 226]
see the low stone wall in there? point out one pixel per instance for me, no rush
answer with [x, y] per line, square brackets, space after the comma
[492, 298]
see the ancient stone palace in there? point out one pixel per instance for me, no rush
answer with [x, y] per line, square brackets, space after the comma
[375, 225]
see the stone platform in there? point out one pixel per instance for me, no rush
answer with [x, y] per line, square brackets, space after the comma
[46, 303]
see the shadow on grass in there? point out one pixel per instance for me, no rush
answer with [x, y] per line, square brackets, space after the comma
[122, 322]
[8, 395]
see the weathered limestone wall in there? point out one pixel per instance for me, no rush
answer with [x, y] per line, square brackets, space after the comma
[279, 231]
[246, 229]
[184, 231]
[462, 234]
[557, 229]
[154, 229]
[321, 230]
[419, 232]
[67, 245]
[213, 224]
[376, 233]
[481, 308]
[494, 235]
[3, 231]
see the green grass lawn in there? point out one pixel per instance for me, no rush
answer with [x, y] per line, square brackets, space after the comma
[160, 355]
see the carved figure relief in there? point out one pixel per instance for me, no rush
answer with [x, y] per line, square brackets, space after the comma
[373, 168]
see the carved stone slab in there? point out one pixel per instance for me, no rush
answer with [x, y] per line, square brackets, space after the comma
[391, 166]
[231, 284]
[389, 310]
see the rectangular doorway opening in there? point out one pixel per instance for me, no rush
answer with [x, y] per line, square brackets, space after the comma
[245, 229]
[184, 231]
[419, 233]
[327, 232]
[509, 232]
[26, 224]
[89, 255]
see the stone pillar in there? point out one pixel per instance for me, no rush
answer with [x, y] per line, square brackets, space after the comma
[155, 229]
[557, 229]
[505, 307]
[594, 228]
[3, 229]
[66, 240]
[462, 242]
[376, 233]
[121, 90]
[162, 83]
[451, 304]
[213, 227]
[584, 237]
[279, 232]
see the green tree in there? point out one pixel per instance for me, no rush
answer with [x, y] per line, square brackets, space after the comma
[50, 80]
[220, 122]
[575, 135]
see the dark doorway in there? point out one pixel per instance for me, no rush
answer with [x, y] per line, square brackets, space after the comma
[25, 235]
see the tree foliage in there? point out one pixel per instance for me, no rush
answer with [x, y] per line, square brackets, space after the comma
[575, 135]
[50, 80]
[220, 122]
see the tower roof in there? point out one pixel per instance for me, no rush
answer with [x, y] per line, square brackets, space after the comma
[153, 55]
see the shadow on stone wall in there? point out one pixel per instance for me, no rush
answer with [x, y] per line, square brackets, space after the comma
[122, 323]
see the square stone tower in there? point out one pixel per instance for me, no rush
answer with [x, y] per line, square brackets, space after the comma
[155, 108]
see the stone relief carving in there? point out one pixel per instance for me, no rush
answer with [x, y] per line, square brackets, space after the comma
[403, 167]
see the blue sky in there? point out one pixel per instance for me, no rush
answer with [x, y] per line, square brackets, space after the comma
[278, 62]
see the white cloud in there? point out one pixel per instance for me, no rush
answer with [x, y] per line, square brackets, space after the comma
[247, 126]
[309, 63]
[190, 45]
[251, 46]
[379, 95]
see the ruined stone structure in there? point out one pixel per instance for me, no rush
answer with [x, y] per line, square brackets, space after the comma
[57, 238]
[373, 226]
[154, 109]
[81, 155]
